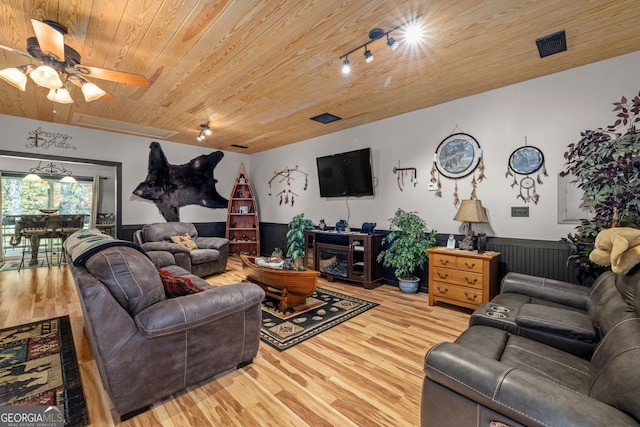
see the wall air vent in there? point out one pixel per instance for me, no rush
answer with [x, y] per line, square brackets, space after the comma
[244, 147]
[551, 44]
[325, 118]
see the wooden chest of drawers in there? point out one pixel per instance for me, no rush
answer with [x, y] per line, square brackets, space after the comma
[462, 278]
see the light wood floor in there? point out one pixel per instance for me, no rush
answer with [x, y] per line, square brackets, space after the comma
[364, 372]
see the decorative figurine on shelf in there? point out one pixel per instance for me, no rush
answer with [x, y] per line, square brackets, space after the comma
[239, 194]
[242, 180]
[341, 226]
[368, 227]
[323, 225]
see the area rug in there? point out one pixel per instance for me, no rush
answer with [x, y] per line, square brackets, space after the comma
[38, 367]
[322, 310]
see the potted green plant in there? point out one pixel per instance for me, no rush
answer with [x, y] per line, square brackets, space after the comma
[606, 168]
[407, 242]
[295, 239]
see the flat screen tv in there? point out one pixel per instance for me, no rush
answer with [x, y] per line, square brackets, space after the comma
[346, 174]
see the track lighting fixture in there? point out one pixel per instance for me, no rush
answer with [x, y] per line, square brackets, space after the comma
[374, 35]
[204, 131]
[368, 56]
[346, 66]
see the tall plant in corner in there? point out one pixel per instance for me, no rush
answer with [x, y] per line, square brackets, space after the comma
[606, 167]
[295, 239]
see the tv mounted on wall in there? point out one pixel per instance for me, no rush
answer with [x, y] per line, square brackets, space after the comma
[346, 174]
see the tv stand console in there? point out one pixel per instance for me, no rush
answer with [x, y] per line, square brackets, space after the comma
[346, 256]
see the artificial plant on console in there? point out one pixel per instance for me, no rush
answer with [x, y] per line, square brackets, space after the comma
[606, 167]
[295, 239]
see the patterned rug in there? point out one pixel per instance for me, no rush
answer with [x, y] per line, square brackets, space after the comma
[38, 367]
[322, 310]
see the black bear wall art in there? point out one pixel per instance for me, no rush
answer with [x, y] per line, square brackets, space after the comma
[170, 187]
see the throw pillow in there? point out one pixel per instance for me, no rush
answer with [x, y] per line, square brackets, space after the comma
[185, 240]
[177, 286]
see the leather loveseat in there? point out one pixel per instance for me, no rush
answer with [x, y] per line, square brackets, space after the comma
[148, 346]
[520, 369]
[210, 256]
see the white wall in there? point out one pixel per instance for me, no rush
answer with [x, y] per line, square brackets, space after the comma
[550, 111]
[131, 151]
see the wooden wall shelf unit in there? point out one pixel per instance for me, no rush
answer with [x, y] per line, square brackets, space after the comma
[242, 218]
[462, 278]
[345, 256]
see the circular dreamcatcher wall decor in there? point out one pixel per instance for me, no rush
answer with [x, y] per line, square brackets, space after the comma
[457, 156]
[525, 161]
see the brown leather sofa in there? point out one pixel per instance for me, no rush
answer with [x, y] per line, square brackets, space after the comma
[533, 366]
[148, 346]
[209, 258]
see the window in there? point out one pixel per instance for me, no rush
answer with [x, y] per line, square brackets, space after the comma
[28, 197]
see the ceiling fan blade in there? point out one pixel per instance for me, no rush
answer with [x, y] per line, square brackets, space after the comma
[117, 76]
[19, 52]
[78, 82]
[49, 39]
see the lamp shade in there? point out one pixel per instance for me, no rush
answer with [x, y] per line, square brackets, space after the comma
[14, 77]
[60, 96]
[92, 92]
[46, 76]
[32, 177]
[471, 211]
[69, 179]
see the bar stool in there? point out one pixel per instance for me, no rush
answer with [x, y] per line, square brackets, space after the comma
[33, 228]
[69, 224]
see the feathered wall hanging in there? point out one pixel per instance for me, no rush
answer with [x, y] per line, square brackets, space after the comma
[523, 162]
[458, 156]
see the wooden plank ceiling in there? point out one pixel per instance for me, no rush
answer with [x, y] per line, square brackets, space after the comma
[258, 70]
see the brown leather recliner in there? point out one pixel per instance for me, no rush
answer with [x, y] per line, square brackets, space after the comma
[494, 374]
[209, 258]
[147, 346]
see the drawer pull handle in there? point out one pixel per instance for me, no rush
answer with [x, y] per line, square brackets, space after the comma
[473, 264]
[472, 297]
[444, 261]
[442, 291]
[471, 282]
[442, 276]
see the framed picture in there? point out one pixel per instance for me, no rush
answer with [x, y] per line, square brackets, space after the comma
[526, 160]
[458, 155]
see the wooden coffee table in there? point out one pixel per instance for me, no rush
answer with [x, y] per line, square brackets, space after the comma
[290, 287]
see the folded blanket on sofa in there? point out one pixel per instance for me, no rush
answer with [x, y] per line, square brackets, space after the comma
[82, 244]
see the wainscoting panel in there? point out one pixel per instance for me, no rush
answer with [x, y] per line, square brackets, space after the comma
[536, 257]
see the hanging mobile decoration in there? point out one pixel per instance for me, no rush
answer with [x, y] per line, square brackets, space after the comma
[287, 175]
[458, 156]
[287, 196]
[526, 160]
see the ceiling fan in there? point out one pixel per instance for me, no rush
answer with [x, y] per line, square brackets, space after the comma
[63, 61]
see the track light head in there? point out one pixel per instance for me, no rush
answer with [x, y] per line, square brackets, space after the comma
[368, 56]
[346, 66]
[392, 43]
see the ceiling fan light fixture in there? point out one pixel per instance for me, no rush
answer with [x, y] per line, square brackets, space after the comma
[15, 77]
[92, 92]
[46, 76]
[61, 96]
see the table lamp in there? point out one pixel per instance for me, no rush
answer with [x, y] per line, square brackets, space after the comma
[470, 211]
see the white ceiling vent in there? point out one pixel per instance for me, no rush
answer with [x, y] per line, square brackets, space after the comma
[120, 127]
